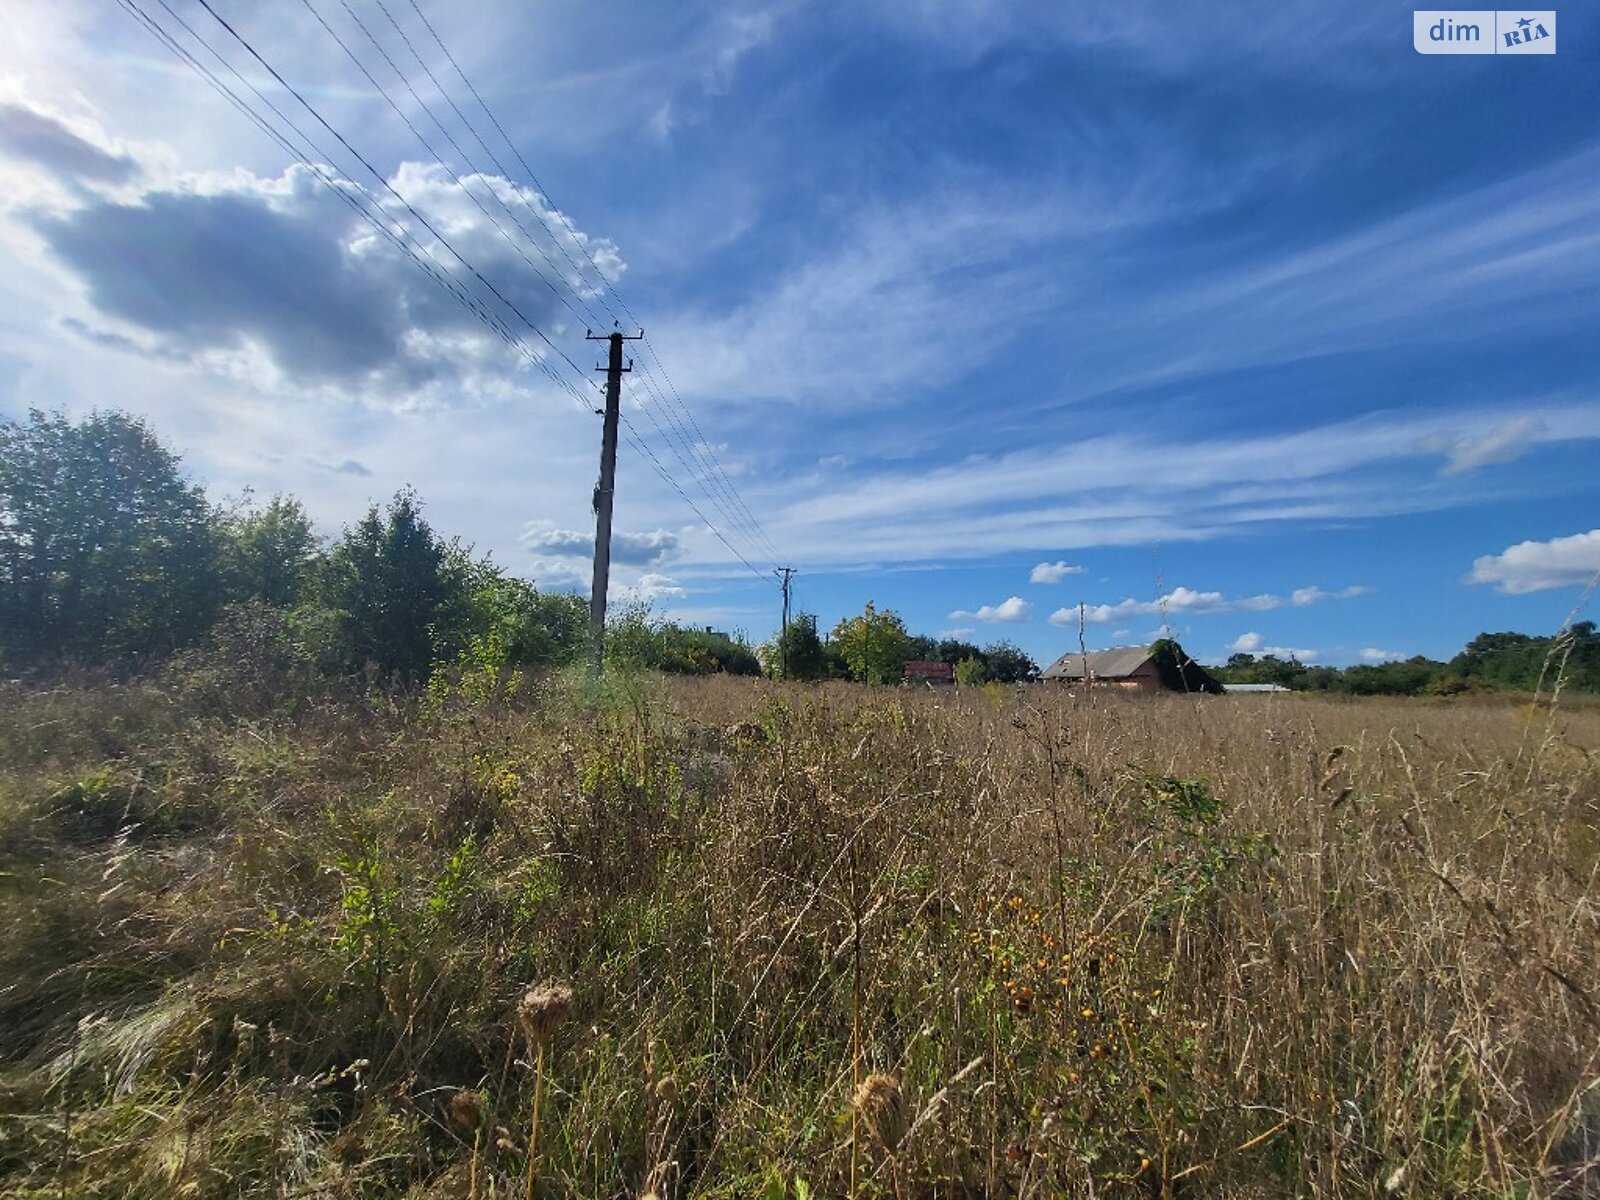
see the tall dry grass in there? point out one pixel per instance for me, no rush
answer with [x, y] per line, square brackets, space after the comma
[1103, 947]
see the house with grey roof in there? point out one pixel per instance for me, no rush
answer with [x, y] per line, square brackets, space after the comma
[1159, 667]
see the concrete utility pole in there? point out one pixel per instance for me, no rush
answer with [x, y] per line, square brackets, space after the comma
[605, 490]
[785, 574]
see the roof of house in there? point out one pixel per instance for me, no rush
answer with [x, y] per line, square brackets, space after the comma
[1119, 662]
[929, 668]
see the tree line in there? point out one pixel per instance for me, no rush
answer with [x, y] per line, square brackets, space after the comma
[1489, 662]
[874, 647]
[108, 555]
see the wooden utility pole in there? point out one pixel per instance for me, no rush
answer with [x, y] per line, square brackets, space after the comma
[605, 490]
[785, 574]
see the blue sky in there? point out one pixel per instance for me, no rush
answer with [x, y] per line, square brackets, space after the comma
[1263, 327]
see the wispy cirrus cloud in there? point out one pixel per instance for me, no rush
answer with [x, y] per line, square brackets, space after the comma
[1502, 444]
[1099, 491]
[1189, 602]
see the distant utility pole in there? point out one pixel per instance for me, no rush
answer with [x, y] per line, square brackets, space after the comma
[605, 490]
[785, 574]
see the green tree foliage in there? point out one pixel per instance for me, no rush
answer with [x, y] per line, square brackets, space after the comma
[105, 549]
[874, 645]
[1490, 661]
[1515, 660]
[1178, 671]
[533, 628]
[953, 651]
[271, 554]
[1268, 668]
[636, 639]
[701, 652]
[971, 671]
[390, 580]
[799, 650]
[1008, 664]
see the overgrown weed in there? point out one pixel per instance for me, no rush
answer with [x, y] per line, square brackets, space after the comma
[1142, 947]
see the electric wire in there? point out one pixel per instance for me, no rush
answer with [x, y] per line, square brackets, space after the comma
[640, 445]
[560, 296]
[728, 510]
[334, 184]
[337, 185]
[386, 185]
[715, 469]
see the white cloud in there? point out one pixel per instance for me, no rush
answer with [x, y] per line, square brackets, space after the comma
[958, 634]
[1537, 566]
[558, 576]
[1097, 491]
[1008, 611]
[1255, 643]
[627, 549]
[1373, 655]
[1502, 444]
[1301, 597]
[277, 279]
[1053, 572]
[652, 586]
[1187, 600]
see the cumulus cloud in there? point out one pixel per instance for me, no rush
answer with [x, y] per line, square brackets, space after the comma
[1373, 655]
[1010, 610]
[558, 576]
[1188, 600]
[1537, 566]
[1053, 572]
[50, 143]
[652, 586]
[1502, 444]
[1255, 643]
[280, 271]
[627, 549]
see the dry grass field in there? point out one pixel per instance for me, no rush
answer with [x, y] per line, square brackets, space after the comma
[263, 939]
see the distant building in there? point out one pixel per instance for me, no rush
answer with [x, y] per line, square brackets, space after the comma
[1130, 668]
[932, 674]
[1162, 667]
[1251, 688]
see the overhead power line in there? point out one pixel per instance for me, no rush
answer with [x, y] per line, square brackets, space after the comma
[371, 209]
[386, 185]
[712, 464]
[729, 506]
[374, 216]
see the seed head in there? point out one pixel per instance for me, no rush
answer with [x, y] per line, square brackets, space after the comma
[466, 1109]
[882, 1108]
[667, 1089]
[542, 1010]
